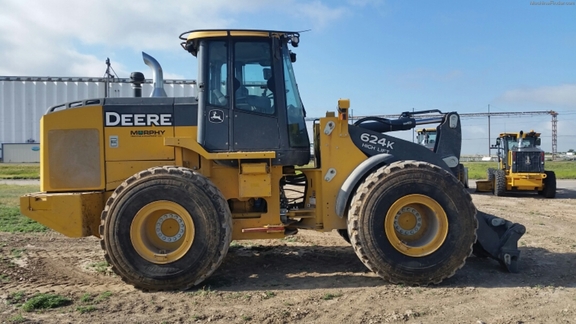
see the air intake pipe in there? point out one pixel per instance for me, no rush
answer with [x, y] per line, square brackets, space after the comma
[157, 76]
[137, 78]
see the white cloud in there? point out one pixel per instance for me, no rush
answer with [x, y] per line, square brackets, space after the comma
[318, 13]
[67, 38]
[363, 3]
[562, 95]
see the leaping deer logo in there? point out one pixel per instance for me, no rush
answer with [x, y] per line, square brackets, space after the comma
[216, 116]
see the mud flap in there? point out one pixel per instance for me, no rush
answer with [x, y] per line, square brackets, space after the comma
[498, 239]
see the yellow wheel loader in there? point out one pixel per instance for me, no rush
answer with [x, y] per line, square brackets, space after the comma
[520, 166]
[167, 183]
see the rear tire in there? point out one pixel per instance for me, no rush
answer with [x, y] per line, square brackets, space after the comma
[499, 182]
[490, 173]
[166, 228]
[549, 185]
[463, 175]
[412, 222]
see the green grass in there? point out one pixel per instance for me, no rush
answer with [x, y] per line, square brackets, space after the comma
[101, 266]
[11, 220]
[268, 295]
[329, 296]
[563, 169]
[86, 298]
[45, 301]
[15, 298]
[10, 194]
[19, 171]
[17, 319]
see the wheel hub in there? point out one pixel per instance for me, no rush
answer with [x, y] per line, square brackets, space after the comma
[416, 225]
[407, 221]
[168, 224]
[162, 232]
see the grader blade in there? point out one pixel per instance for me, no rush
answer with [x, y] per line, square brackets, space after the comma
[498, 239]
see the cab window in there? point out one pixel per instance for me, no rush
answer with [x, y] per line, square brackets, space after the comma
[296, 126]
[217, 67]
[252, 66]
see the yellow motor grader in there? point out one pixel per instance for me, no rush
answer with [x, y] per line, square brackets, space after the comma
[520, 166]
[167, 183]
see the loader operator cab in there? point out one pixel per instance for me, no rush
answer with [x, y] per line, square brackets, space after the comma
[248, 99]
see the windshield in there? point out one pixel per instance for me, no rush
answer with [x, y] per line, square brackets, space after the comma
[427, 137]
[513, 143]
[295, 109]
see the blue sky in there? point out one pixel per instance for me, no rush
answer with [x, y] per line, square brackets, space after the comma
[386, 56]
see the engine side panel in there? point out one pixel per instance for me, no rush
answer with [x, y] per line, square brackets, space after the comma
[72, 152]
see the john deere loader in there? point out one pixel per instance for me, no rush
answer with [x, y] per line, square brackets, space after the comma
[520, 166]
[167, 183]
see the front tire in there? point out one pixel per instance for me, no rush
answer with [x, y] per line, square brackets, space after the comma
[166, 228]
[412, 222]
[499, 182]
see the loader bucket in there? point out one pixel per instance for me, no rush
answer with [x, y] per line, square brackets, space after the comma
[498, 239]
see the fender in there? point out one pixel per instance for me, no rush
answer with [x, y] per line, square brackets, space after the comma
[356, 176]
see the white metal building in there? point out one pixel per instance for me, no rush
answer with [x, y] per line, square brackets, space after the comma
[20, 153]
[23, 100]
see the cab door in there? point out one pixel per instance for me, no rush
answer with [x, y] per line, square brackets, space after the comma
[255, 119]
[214, 96]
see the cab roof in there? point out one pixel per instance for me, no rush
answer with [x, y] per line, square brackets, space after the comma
[209, 33]
[426, 130]
[524, 135]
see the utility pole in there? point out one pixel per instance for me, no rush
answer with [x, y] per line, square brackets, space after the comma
[489, 130]
[554, 134]
[413, 129]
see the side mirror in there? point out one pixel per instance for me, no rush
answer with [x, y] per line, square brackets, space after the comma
[498, 141]
[292, 57]
[538, 141]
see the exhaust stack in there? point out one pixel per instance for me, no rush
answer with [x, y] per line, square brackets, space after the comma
[157, 76]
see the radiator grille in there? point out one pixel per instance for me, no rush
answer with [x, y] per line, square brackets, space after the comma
[528, 162]
[74, 160]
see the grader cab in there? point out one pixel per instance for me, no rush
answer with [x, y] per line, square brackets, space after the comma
[167, 183]
[426, 137]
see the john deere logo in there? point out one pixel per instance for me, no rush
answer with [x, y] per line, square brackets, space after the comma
[147, 133]
[216, 116]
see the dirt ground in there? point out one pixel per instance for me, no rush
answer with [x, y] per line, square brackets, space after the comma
[309, 278]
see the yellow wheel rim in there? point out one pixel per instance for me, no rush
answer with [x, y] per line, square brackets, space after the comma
[416, 225]
[162, 232]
